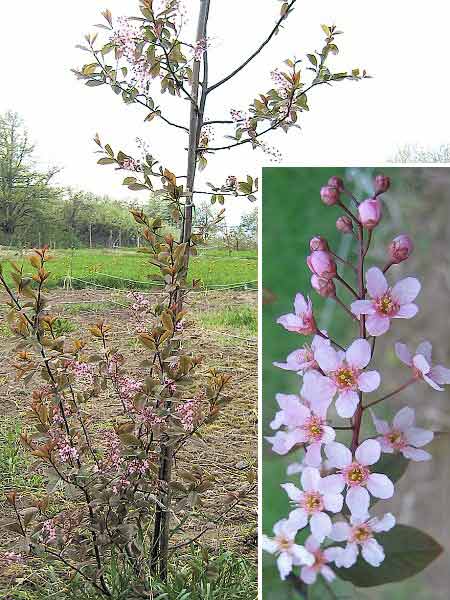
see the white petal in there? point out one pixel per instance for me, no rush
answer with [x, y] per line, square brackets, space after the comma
[380, 486]
[284, 563]
[372, 552]
[421, 364]
[404, 419]
[348, 556]
[418, 437]
[338, 455]
[340, 532]
[415, 454]
[384, 524]
[358, 500]
[329, 434]
[302, 556]
[346, 404]
[432, 383]
[425, 348]
[320, 524]
[311, 544]
[331, 484]
[300, 304]
[327, 358]
[362, 307]
[407, 311]
[292, 491]
[380, 425]
[333, 502]
[313, 456]
[327, 573]
[298, 519]
[310, 479]
[368, 453]
[376, 282]
[377, 325]
[268, 544]
[440, 374]
[308, 575]
[369, 381]
[358, 354]
[406, 290]
[403, 353]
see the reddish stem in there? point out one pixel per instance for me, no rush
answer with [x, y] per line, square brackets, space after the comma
[398, 390]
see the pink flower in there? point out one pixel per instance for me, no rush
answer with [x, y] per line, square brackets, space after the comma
[360, 535]
[344, 224]
[346, 376]
[322, 264]
[303, 426]
[421, 365]
[303, 359]
[330, 195]
[355, 474]
[370, 213]
[403, 436]
[336, 182]
[283, 544]
[321, 560]
[382, 184]
[400, 249]
[318, 243]
[318, 495]
[324, 287]
[386, 303]
[303, 320]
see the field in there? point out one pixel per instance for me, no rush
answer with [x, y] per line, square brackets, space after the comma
[415, 198]
[123, 268]
[222, 325]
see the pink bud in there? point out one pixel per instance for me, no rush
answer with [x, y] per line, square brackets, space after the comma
[318, 243]
[330, 195]
[344, 224]
[322, 264]
[382, 184]
[400, 248]
[324, 287]
[337, 183]
[370, 212]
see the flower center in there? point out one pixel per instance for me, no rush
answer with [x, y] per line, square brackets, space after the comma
[396, 439]
[356, 474]
[346, 378]
[312, 502]
[361, 533]
[283, 543]
[314, 428]
[386, 305]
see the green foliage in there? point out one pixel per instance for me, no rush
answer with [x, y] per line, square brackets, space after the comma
[408, 551]
[244, 319]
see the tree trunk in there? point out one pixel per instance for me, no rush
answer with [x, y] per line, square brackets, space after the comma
[161, 533]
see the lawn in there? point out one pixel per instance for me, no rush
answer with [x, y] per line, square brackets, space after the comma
[130, 269]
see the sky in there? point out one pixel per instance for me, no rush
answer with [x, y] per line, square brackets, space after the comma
[402, 44]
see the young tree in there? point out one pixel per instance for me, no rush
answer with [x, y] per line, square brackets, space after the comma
[145, 56]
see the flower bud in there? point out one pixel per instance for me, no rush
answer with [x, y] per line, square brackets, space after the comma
[400, 249]
[318, 243]
[344, 224]
[370, 212]
[330, 195]
[382, 184]
[324, 287]
[322, 264]
[337, 183]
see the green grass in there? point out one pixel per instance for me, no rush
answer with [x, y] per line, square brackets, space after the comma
[244, 319]
[14, 460]
[224, 576]
[112, 268]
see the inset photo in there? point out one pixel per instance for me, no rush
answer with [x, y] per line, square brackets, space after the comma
[356, 357]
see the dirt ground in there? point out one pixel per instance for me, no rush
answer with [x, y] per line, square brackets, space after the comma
[230, 451]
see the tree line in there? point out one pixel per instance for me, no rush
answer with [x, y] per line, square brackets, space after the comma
[34, 211]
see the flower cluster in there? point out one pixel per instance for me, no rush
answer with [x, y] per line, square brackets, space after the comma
[190, 412]
[340, 479]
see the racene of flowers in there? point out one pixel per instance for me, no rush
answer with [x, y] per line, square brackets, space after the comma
[331, 526]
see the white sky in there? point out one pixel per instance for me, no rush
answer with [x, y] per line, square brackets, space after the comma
[403, 44]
